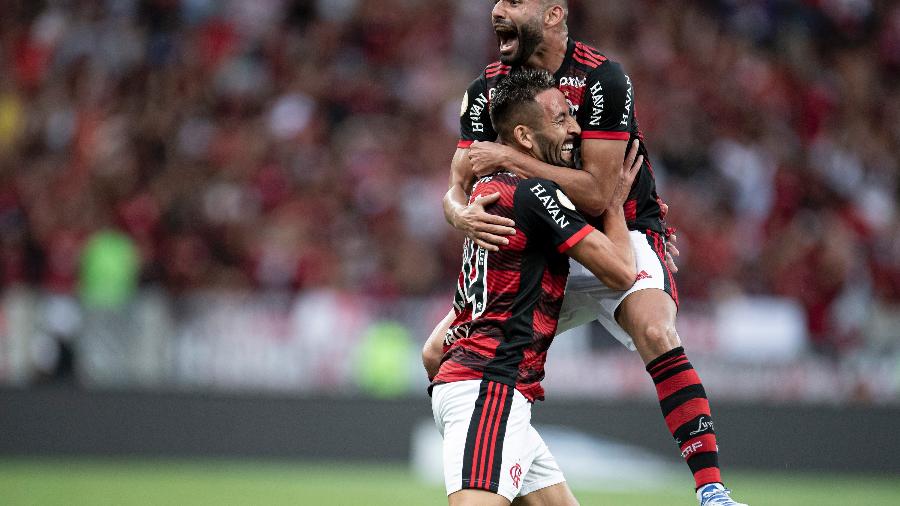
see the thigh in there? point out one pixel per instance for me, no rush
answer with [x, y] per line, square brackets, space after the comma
[485, 431]
[543, 483]
[588, 299]
[647, 311]
[646, 307]
[554, 495]
[648, 316]
[650, 261]
[470, 497]
[652, 272]
[654, 281]
[578, 308]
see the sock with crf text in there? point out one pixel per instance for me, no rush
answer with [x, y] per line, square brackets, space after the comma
[686, 410]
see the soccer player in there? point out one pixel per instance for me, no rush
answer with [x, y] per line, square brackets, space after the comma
[534, 34]
[507, 303]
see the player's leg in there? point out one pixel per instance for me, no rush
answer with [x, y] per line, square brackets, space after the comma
[471, 497]
[543, 484]
[485, 428]
[554, 495]
[583, 299]
[643, 318]
[648, 316]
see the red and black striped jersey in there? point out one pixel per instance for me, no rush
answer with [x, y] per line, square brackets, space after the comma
[601, 97]
[507, 302]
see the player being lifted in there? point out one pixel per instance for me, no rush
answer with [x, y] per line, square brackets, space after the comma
[508, 301]
[534, 34]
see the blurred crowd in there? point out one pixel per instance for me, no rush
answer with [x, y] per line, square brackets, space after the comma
[291, 145]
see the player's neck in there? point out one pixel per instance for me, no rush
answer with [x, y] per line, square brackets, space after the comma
[551, 53]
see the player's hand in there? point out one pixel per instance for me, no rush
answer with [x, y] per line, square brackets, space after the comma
[487, 157]
[487, 230]
[630, 168]
[671, 252]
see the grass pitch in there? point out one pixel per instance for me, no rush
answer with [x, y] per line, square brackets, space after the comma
[75, 482]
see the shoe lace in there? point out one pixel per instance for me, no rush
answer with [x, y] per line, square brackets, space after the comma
[717, 497]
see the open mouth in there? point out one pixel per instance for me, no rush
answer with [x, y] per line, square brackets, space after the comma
[569, 153]
[507, 37]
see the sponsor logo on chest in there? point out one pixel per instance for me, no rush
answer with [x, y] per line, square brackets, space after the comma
[573, 81]
[573, 88]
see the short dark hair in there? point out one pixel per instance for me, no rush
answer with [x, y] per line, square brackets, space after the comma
[514, 100]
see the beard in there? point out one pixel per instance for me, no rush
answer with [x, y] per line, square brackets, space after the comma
[529, 36]
[552, 152]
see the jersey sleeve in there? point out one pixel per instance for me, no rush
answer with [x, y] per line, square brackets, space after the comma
[608, 112]
[544, 211]
[474, 115]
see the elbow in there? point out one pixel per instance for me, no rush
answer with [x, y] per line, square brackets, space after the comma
[623, 278]
[594, 206]
[430, 355]
[448, 209]
[431, 360]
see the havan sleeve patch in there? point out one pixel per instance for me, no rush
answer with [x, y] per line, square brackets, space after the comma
[475, 119]
[547, 213]
[608, 112]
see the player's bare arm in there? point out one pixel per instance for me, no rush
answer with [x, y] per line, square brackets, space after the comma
[434, 346]
[589, 189]
[609, 255]
[486, 157]
[487, 230]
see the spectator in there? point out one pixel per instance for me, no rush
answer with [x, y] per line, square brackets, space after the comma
[290, 145]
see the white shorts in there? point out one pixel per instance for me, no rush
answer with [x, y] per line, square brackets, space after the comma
[489, 443]
[588, 299]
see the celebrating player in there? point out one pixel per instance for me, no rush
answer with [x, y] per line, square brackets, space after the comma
[507, 304]
[534, 34]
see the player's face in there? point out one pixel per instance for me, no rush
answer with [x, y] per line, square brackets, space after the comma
[558, 132]
[519, 25]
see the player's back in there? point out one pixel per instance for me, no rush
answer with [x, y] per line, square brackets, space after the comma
[507, 302]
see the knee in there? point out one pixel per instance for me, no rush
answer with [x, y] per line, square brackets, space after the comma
[654, 338]
[649, 318]
[659, 332]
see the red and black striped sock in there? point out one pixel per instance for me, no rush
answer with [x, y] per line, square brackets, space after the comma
[684, 405]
